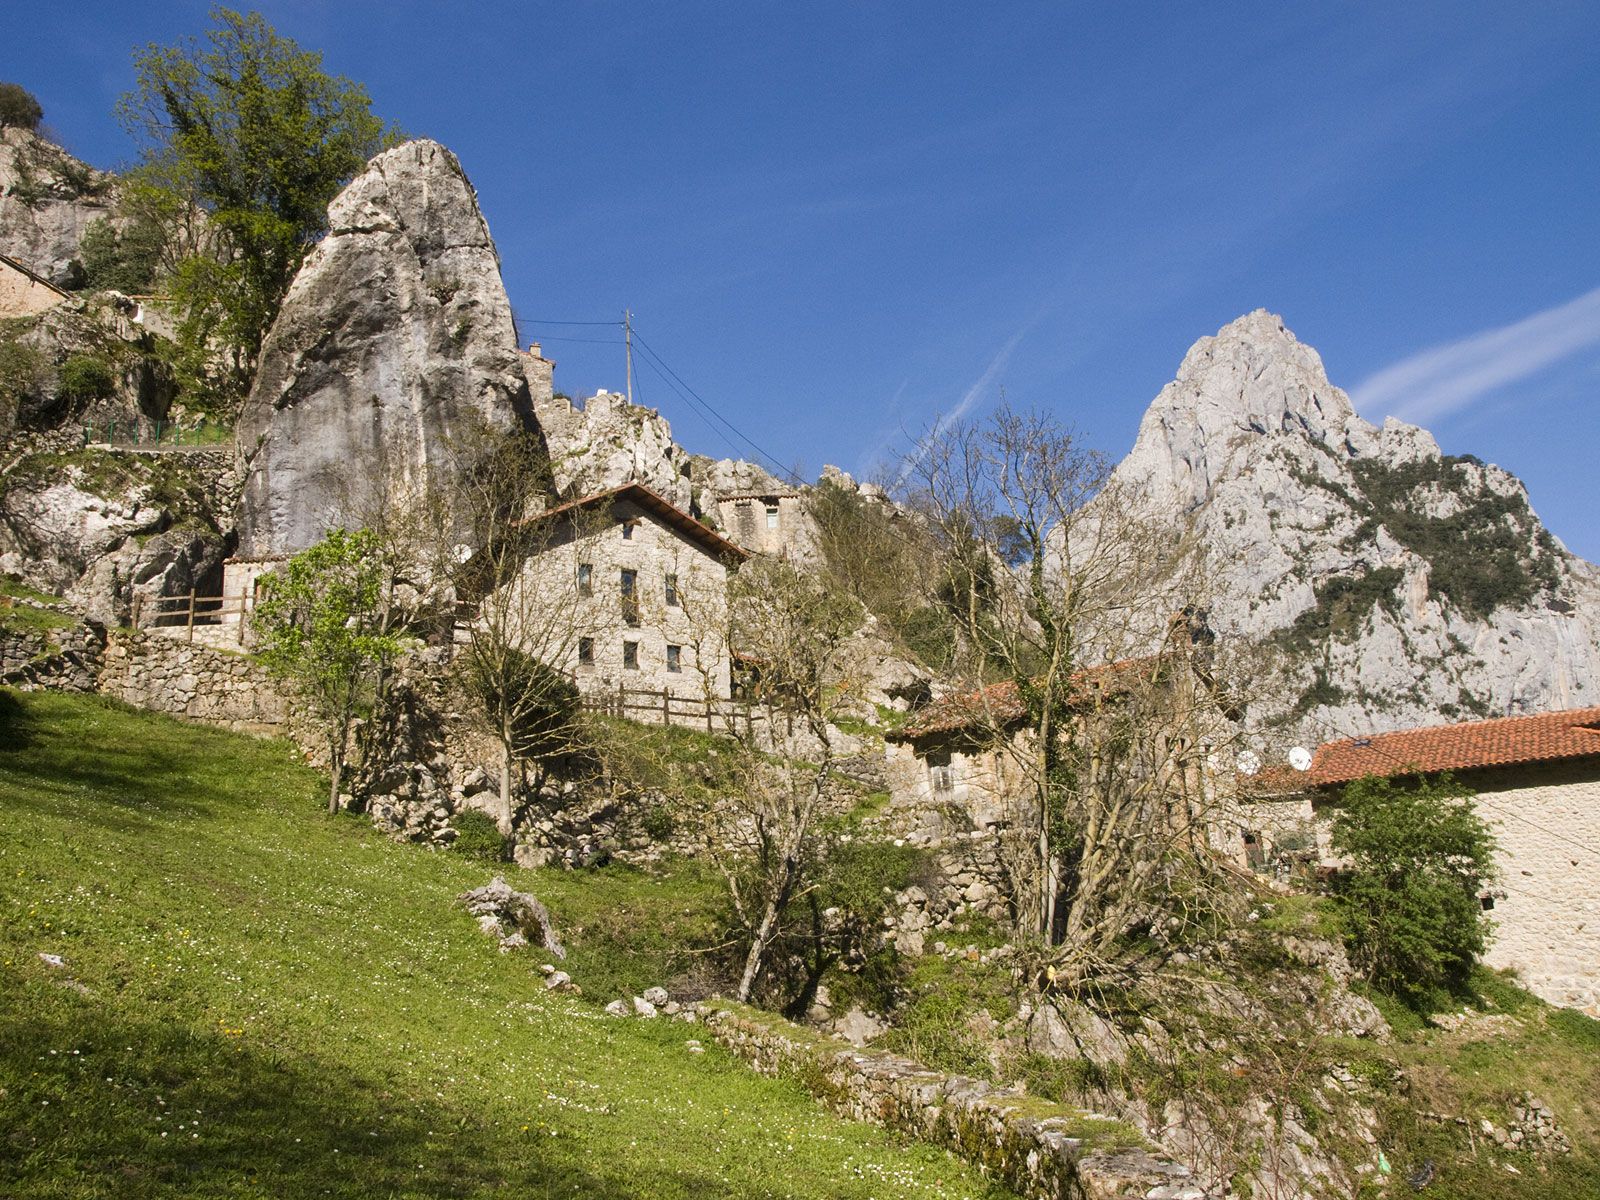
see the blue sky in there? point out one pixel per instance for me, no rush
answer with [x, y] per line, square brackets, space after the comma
[835, 221]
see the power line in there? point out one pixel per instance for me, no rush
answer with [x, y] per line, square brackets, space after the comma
[536, 321]
[590, 341]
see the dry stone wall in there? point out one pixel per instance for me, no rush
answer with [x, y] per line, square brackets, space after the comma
[193, 681]
[1042, 1151]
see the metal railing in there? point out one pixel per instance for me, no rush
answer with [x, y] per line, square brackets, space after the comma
[156, 435]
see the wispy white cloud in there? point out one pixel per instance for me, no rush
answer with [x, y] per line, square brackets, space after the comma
[969, 399]
[1445, 378]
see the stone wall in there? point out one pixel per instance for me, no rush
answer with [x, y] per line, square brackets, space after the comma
[1042, 1151]
[193, 681]
[1547, 905]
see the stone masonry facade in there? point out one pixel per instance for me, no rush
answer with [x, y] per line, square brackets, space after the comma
[1547, 904]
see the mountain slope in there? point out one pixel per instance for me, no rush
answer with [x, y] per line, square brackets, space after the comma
[1398, 586]
[254, 1001]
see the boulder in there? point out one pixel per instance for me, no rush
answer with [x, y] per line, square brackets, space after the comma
[393, 351]
[516, 918]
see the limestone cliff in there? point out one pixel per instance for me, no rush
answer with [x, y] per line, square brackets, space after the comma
[1398, 586]
[47, 200]
[394, 344]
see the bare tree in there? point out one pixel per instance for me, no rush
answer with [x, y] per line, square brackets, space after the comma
[790, 627]
[527, 609]
[1079, 617]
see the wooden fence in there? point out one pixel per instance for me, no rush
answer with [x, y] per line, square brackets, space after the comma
[663, 707]
[171, 613]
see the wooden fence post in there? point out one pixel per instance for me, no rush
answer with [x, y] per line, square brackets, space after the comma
[191, 614]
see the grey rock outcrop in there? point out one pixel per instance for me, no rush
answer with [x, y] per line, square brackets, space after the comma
[516, 918]
[393, 347]
[1402, 587]
[47, 199]
[608, 442]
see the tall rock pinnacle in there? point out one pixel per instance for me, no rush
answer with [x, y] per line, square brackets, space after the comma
[1398, 586]
[396, 337]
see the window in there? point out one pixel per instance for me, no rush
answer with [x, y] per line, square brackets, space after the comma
[630, 596]
[630, 656]
[627, 530]
[772, 516]
[672, 591]
[939, 775]
[675, 659]
[585, 579]
[586, 652]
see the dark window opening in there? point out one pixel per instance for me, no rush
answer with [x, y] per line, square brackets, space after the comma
[630, 596]
[675, 658]
[672, 591]
[627, 530]
[630, 656]
[585, 579]
[586, 652]
[1487, 902]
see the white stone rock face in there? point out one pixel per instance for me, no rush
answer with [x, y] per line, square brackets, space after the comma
[608, 442]
[394, 341]
[43, 232]
[1274, 468]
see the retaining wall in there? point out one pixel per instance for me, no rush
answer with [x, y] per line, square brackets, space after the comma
[1042, 1151]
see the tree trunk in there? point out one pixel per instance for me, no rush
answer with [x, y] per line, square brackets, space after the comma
[336, 769]
[758, 949]
[506, 766]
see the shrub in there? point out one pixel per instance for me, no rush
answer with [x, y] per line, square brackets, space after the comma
[24, 376]
[477, 836]
[19, 108]
[1419, 858]
[86, 377]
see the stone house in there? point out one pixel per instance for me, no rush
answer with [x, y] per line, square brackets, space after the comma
[621, 589]
[1537, 780]
[958, 765]
[766, 522]
[23, 293]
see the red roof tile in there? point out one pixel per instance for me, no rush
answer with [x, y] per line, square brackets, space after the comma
[1472, 745]
[999, 703]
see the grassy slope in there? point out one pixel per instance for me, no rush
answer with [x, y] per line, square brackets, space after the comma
[257, 1001]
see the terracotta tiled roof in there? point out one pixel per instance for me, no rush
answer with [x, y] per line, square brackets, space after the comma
[1472, 745]
[999, 704]
[663, 510]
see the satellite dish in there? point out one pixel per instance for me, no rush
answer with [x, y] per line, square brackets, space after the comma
[1300, 758]
[1248, 762]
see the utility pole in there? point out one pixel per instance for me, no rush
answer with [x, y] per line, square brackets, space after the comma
[627, 337]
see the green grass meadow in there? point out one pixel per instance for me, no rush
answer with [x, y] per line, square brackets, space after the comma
[257, 1001]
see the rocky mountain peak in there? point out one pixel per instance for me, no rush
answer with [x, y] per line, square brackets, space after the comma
[1400, 586]
[1253, 380]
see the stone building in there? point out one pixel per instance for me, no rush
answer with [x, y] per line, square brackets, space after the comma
[23, 293]
[766, 522]
[621, 589]
[1537, 780]
[962, 763]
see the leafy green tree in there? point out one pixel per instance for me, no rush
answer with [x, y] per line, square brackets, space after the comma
[323, 625]
[1419, 859]
[247, 126]
[126, 260]
[19, 108]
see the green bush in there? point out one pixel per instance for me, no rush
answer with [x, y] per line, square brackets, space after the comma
[477, 836]
[19, 108]
[24, 375]
[1420, 856]
[86, 377]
